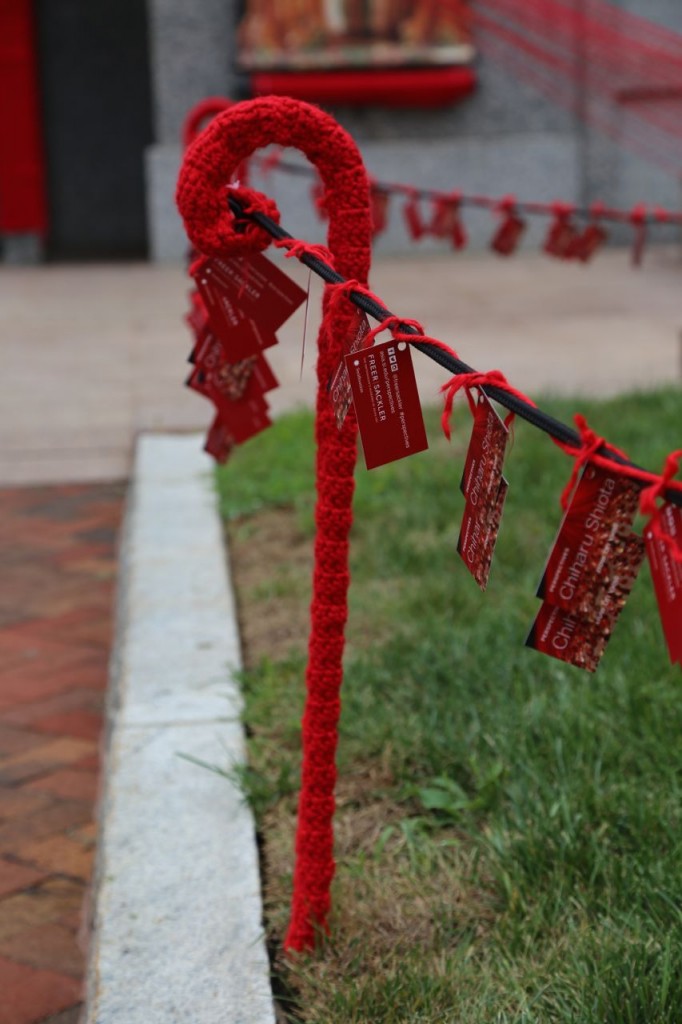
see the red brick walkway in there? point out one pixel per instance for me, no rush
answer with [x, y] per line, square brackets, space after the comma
[57, 573]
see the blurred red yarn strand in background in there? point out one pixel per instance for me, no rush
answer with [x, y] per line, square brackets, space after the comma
[620, 72]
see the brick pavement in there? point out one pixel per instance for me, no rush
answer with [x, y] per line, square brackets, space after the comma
[57, 574]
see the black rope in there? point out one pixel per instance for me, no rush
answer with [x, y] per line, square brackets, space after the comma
[532, 414]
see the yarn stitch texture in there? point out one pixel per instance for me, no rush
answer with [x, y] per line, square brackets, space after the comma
[209, 164]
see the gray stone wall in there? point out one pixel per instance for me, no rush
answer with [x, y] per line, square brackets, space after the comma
[504, 138]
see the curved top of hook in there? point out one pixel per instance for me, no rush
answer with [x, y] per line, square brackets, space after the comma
[235, 134]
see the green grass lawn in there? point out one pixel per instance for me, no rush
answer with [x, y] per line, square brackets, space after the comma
[509, 834]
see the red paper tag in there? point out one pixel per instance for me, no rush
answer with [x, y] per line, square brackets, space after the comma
[485, 454]
[209, 352]
[580, 565]
[247, 299]
[625, 560]
[478, 534]
[567, 637]
[485, 490]
[667, 576]
[561, 238]
[508, 235]
[413, 218]
[198, 381]
[243, 419]
[262, 379]
[587, 243]
[339, 387]
[447, 222]
[197, 318]
[386, 403]
[219, 441]
[379, 202]
[581, 640]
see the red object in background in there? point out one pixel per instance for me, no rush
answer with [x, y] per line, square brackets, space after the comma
[23, 206]
[404, 87]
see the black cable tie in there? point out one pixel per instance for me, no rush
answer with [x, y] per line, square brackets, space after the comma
[532, 414]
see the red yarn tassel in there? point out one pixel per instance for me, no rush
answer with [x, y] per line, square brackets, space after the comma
[447, 221]
[510, 230]
[562, 234]
[638, 221]
[413, 217]
[380, 201]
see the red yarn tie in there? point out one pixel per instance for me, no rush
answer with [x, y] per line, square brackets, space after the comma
[648, 504]
[590, 445]
[467, 381]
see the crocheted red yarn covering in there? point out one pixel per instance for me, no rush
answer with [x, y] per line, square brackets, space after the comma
[209, 163]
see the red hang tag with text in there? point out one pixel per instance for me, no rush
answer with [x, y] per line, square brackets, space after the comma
[243, 419]
[567, 637]
[202, 347]
[478, 534]
[233, 379]
[339, 388]
[581, 640]
[219, 442]
[666, 573]
[485, 454]
[485, 490]
[386, 403]
[262, 379]
[247, 299]
[197, 318]
[209, 352]
[626, 557]
[506, 239]
[581, 563]
[198, 381]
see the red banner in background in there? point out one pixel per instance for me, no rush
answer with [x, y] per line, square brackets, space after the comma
[23, 206]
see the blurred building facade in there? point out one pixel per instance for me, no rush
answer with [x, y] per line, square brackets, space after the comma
[117, 78]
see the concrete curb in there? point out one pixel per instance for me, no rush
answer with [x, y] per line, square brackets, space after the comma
[177, 905]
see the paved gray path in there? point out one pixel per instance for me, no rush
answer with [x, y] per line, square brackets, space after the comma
[92, 355]
[178, 931]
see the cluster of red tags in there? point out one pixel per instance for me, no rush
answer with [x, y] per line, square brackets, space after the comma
[596, 554]
[565, 239]
[236, 309]
[439, 216]
[238, 305]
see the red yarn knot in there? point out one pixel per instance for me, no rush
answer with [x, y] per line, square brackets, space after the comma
[392, 324]
[217, 231]
[507, 204]
[561, 211]
[397, 324]
[590, 443]
[297, 248]
[467, 381]
[344, 288]
[638, 214]
[648, 504]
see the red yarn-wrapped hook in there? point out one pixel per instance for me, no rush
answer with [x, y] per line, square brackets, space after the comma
[209, 163]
